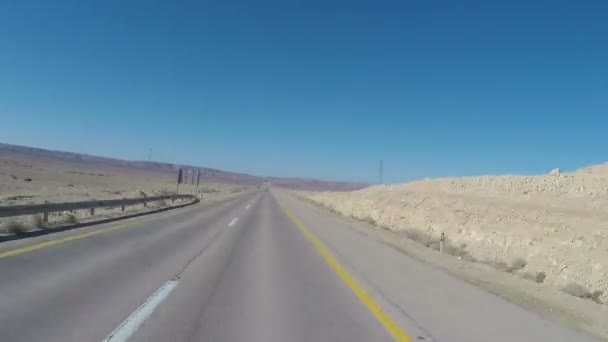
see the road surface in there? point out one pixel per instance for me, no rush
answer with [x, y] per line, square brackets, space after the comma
[262, 266]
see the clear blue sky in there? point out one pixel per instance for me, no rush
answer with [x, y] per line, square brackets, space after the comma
[309, 88]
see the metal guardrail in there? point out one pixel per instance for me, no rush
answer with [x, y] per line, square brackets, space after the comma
[45, 209]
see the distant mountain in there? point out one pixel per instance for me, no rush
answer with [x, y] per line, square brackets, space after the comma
[207, 174]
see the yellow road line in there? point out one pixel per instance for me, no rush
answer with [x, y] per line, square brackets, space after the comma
[46, 244]
[385, 320]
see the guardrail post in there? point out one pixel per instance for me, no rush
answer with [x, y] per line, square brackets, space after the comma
[45, 215]
[123, 206]
[92, 211]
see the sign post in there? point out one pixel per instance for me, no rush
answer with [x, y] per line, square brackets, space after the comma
[180, 175]
[198, 181]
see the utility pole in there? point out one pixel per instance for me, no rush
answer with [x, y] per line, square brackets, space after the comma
[381, 173]
[198, 180]
[180, 175]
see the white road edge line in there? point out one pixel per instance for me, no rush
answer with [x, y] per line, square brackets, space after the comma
[233, 222]
[130, 325]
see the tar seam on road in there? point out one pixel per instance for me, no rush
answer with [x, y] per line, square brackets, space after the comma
[130, 325]
[385, 320]
[45, 244]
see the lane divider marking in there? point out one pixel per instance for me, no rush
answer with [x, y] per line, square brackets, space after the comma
[233, 222]
[385, 320]
[130, 325]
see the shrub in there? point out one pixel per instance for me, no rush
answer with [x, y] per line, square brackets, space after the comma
[435, 245]
[366, 219]
[416, 235]
[38, 221]
[71, 218]
[499, 265]
[516, 265]
[577, 290]
[456, 251]
[596, 296]
[468, 257]
[15, 227]
[538, 277]
[529, 276]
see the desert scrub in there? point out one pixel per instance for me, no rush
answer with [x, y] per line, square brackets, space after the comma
[538, 277]
[15, 227]
[418, 236]
[38, 221]
[366, 219]
[578, 290]
[71, 218]
[516, 265]
[497, 264]
[458, 251]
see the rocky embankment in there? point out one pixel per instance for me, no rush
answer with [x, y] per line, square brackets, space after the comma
[552, 228]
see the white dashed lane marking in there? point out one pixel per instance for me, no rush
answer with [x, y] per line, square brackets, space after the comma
[130, 325]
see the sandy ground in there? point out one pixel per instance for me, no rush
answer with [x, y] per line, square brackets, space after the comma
[32, 180]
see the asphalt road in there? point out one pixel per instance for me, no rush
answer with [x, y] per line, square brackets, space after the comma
[259, 267]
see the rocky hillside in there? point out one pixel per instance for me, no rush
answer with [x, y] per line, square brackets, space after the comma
[555, 224]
